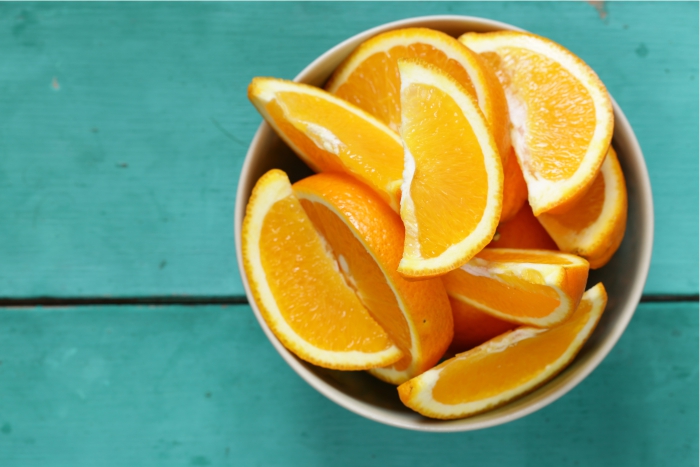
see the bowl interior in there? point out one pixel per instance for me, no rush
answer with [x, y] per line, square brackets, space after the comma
[623, 276]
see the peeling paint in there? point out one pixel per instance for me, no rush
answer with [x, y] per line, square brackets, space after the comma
[600, 6]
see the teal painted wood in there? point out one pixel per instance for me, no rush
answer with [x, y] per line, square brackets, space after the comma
[123, 128]
[199, 386]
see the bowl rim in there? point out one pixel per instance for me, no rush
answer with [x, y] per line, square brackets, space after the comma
[626, 311]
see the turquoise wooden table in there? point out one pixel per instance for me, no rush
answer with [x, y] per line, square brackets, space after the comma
[125, 334]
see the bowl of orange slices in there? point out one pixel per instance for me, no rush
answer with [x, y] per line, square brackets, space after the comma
[444, 223]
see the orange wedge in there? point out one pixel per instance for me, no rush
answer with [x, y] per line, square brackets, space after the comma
[560, 111]
[453, 178]
[594, 226]
[503, 368]
[536, 287]
[514, 188]
[474, 327]
[298, 289]
[369, 77]
[523, 231]
[366, 238]
[331, 135]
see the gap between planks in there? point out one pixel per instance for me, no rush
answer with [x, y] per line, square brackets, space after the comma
[6, 302]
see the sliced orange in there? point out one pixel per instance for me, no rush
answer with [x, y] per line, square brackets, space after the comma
[331, 135]
[453, 178]
[474, 327]
[298, 289]
[594, 226]
[523, 231]
[560, 111]
[503, 368]
[366, 238]
[369, 77]
[536, 287]
[514, 188]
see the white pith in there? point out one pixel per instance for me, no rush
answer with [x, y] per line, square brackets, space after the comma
[276, 190]
[408, 208]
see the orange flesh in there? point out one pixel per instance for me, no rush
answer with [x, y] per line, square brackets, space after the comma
[312, 297]
[322, 161]
[517, 297]
[448, 157]
[514, 188]
[587, 210]
[375, 84]
[521, 257]
[295, 111]
[523, 231]
[474, 327]
[363, 275]
[482, 375]
[560, 117]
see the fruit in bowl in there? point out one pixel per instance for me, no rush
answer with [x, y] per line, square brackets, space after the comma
[426, 147]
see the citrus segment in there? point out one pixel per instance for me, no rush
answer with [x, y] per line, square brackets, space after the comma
[536, 287]
[453, 179]
[523, 231]
[366, 238]
[503, 368]
[298, 289]
[560, 112]
[514, 188]
[369, 77]
[473, 327]
[331, 135]
[595, 225]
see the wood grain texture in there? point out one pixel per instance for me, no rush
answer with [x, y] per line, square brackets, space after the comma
[202, 386]
[123, 128]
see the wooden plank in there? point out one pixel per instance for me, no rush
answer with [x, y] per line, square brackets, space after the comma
[124, 127]
[198, 386]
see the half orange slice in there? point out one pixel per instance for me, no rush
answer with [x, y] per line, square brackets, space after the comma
[560, 111]
[503, 368]
[595, 225]
[298, 289]
[536, 287]
[331, 135]
[453, 178]
[366, 238]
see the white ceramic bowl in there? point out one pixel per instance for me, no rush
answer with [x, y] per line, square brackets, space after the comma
[623, 277]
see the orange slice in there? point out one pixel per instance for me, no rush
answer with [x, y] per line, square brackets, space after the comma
[523, 231]
[504, 368]
[331, 135]
[453, 179]
[595, 225]
[536, 287]
[514, 188]
[298, 289]
[369, 77]
[366, 238]
[474, 327]
[560, 111]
